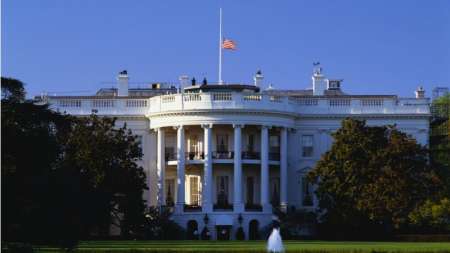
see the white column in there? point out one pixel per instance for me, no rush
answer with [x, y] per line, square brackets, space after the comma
[180, 170]
[207, 169]
[283, 169]
[237, 203]
[160, 167]
[265, 203]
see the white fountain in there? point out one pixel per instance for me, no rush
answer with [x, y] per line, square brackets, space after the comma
[275, 244]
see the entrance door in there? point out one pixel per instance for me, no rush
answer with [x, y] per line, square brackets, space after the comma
[223, 233]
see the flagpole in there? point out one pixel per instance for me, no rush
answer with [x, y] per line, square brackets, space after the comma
[220, 47]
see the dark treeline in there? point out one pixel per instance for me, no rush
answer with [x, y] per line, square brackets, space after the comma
[66, 178]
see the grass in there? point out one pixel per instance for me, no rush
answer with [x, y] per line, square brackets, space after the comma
[255, 246]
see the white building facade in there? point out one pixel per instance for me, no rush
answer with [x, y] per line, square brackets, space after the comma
[223, 156]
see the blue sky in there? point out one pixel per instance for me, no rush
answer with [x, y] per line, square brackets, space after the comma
[378, 47]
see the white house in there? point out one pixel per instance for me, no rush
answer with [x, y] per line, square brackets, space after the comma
[222, 156]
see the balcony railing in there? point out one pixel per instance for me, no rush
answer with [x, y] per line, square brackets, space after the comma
[195, 155]
[172, 156]
[305, 105]
[253, 207]
[223, 207]
[192, 208]
[274, 156]
[250, 155]
[223, 155]
[235, 100]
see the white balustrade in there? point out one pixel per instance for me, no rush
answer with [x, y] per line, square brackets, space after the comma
[235, 100]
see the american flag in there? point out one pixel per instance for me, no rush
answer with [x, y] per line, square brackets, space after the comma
[228, 44]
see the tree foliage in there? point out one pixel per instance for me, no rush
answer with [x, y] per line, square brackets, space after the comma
[372, 178]
[104, 158]
[12, 90]
[440, 139]
[63, 177]
[432, 216]
[159, 226]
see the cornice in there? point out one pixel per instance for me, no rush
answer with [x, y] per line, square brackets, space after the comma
[223, 111]
[364, 116]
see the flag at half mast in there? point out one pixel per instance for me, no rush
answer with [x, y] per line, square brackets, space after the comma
[228, 44]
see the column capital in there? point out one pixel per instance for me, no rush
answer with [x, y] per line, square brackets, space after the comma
[206, 125]
[266, 127]
[238, 125]
[292, 130]
[177, 127]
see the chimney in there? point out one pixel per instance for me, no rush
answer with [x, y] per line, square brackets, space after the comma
[258, 78]
[420, 92]
[318, 81]
[122, 84]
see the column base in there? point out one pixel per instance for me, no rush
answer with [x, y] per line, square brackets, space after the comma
[284, 207]
[267, 208]
[238, 207]
[179, 208]
[207, 208]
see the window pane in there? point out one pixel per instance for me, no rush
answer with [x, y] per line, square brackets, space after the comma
[307, 199]
[307, 145]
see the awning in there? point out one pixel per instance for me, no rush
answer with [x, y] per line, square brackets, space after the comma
[224, 220]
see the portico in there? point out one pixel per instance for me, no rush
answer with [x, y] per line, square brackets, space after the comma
[233, 162]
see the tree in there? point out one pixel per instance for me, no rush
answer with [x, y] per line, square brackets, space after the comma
[440, 139]
[372, 177]
[30, 149]
[104, 159]
[65, 178]
[12, 90]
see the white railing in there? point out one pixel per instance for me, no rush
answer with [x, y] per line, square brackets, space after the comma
[339, 102]
[372, 102]
[300, 105]
[222, 96]
[99, 103]
[136, 103]
[69, 103]
[101, 106]
[192, 97]
[252, 97]
[242, 101]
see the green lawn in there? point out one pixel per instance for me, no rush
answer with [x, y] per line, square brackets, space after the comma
[256, 246]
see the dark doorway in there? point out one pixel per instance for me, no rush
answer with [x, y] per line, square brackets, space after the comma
[192, 230]
[253, 230]
[223, 233]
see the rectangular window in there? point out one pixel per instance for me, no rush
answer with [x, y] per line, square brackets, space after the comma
[251, 143]
[274, 143]
[275, 191]
[307, 145]
[307, 199]
[222, 191]
[169, 191]
[194, 183]
[222, 143]
[250, 193]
